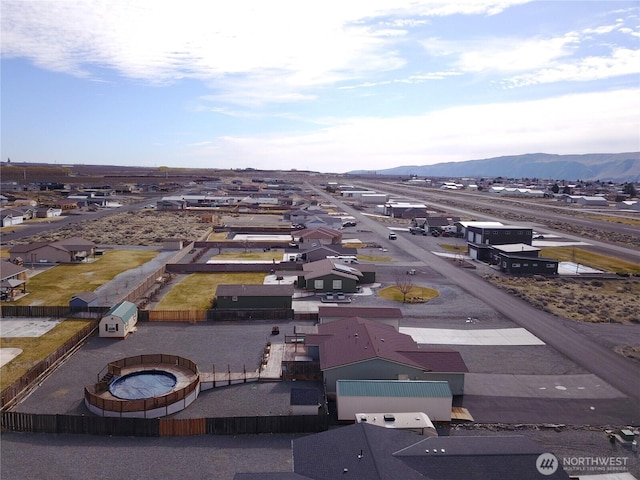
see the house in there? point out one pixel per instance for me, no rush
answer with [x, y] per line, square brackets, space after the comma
[313, 254]
[480, 238]
[305, 401]
[319, 236]
[10, 217]
[83, 300]
[48, 212]
[389, 315]
[417, 422]
[13, 280]
[254, 296]
[324, 221]
[69, 250]
[586, 201]
[357, 396]
[520, 258]
[361, 349]
[329, 276]
[367, 452]
[119, 321]
[628, 205]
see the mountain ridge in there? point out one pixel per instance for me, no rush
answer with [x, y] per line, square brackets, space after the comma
[624, 167]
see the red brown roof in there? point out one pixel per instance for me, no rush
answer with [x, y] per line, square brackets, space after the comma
[356, 339]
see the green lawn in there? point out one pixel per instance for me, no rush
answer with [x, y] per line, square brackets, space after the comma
[393, 293]
[590, 259]
[55, 286]
[36, 349]
[196, 291]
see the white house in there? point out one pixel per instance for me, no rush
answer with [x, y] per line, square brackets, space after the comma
[119, 321]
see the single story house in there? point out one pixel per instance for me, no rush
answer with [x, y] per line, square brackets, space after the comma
[69, 250]
[13, 280]
[318, 236]
[366, 452]
[119, 321]
[313, 254]
[358, 396]
[361, 349]
[329, 276]
[254, 296]
[10, 217]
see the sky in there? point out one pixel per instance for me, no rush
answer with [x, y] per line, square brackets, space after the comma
[330, 86]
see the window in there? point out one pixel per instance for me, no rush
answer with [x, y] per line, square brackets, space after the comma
[550, 265]
[234, 298]
[318, 284]
[515, 265]
[337, 284]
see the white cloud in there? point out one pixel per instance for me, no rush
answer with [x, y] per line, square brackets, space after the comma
[288, 44]
[581, 123]
[622, 61]
[503, 54]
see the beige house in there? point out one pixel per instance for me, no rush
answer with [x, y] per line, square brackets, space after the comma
[70, 250]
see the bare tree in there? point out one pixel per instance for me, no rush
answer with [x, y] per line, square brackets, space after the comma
[404, 284]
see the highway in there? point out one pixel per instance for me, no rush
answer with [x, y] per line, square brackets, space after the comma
[618, 371]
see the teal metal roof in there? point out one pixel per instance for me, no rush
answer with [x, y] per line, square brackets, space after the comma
[393, 388]
[125, 310]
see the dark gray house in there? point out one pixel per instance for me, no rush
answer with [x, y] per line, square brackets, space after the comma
[368, 452]
[521, 259]
[254, 296]
[481, 238]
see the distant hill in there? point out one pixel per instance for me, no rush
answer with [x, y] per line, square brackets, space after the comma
[618, 167]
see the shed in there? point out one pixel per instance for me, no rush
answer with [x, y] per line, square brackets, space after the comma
[119, 321]
[355, 396]
[84, 300]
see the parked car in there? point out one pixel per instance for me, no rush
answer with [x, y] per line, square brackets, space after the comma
[393, 236]
[539, 237]
[349, 224]
[417, 231]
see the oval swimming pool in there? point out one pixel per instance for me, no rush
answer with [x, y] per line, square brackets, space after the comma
[143, 384]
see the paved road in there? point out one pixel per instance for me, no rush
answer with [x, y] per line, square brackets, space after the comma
[618, 371]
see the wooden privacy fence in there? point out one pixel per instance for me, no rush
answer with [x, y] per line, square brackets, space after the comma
[161, 427]
[226, 314]
[21, 386]
[51, 311]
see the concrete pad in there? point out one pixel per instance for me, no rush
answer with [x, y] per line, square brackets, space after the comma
[248, 237]
[26, 327]
[584, 386]
[8, 354]
[492, 336]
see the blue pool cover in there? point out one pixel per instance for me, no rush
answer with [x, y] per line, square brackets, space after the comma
[145, 384]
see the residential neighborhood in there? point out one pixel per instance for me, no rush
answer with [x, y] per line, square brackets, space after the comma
[319, 326]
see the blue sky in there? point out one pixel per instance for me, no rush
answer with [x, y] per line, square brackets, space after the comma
[327, 86]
